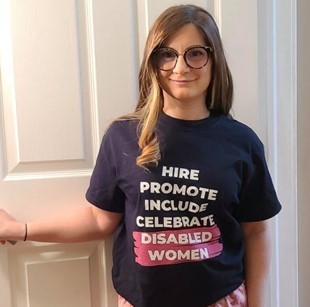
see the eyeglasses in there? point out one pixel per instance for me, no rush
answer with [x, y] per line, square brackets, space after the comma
[196, 57]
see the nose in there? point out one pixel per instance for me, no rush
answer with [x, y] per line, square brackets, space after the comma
[180, 66]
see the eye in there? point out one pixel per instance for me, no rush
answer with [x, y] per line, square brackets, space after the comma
[166, 55]
[196, 53]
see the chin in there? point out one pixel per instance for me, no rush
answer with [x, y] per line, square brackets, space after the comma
[186, 97]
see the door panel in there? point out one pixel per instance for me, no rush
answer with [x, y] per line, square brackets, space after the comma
[50, 138]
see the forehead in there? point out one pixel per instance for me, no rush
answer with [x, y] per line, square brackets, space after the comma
[188, 35]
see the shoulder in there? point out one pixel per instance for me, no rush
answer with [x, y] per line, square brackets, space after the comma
[121, 124]
[239, 132]
[120, 136]
[122, 128]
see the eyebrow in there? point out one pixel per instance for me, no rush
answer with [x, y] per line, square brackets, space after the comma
[191, 46]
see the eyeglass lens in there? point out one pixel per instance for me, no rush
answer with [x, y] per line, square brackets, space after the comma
[195, 57]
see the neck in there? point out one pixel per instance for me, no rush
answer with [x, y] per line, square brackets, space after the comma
[186, 110]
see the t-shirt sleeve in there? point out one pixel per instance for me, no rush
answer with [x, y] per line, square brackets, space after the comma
[103, 191]
[258, 198]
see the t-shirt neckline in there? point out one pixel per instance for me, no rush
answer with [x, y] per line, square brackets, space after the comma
[173, 122]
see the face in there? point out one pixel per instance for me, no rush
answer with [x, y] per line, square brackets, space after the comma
[184, 84]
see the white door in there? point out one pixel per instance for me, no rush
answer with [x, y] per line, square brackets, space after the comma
[67, 69]
[50, 131]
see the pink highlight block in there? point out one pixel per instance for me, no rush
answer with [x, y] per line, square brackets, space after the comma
[177, 246]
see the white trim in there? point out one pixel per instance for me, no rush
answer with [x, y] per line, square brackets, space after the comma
[287, 145]
[215, 8]
[10, 124]
[47, 175]
[218, 13]
[278, 95]
[134, 47]
[93, 92]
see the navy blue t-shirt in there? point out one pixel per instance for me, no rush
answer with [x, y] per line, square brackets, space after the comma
[180, 242]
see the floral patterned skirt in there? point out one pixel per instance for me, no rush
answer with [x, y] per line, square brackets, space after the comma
[234, 299]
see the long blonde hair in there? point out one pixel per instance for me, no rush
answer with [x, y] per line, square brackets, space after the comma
[150, 102]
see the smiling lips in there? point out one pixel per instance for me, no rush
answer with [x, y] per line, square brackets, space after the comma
[181, 81]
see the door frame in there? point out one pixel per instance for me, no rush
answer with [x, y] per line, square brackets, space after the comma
[277, 60]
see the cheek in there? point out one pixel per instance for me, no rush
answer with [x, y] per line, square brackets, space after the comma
[163, 78]
[162, 75]
[207, 76]
[207, 79]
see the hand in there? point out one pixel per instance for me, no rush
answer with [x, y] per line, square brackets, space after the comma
[9, 228]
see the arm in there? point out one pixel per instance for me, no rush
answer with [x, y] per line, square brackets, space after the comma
[256, 260]
[83, 224]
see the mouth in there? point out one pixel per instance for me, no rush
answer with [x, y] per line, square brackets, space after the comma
[180, 81]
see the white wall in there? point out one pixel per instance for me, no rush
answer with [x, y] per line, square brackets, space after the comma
[303, 150]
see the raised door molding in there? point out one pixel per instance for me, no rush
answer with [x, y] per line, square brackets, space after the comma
[278, 116]
[48, 95]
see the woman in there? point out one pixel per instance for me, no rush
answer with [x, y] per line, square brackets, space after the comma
[184, 187]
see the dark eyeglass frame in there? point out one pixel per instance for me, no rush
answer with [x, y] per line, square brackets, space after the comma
[208, 49]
